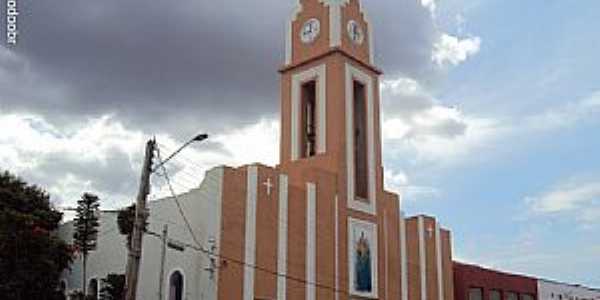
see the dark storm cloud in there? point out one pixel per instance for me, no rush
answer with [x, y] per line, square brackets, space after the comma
[115, 177]
[176, 66]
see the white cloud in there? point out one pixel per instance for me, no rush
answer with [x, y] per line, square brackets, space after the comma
[587, 108]
[452, 50]
[419, 127]
[395, 181]
[566, 197]
[104, 157]
[255, 143]
[575, 198]
[430, 5]
[64, 161]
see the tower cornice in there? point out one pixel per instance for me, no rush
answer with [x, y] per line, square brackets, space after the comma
[335, 50]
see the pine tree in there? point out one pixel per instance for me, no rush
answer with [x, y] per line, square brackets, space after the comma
[86, 228]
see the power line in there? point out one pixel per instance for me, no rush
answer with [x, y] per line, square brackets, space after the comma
[185, 219]
[199, 247]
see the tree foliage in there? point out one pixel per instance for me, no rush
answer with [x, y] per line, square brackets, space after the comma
[86, 223]
[86, 226]
[125, 220]
[113, 287]
[32, 257]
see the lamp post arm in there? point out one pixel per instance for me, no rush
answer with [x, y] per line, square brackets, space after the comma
[196, 139]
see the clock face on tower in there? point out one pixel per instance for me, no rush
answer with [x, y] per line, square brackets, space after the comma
[355, 32]
[310, 30]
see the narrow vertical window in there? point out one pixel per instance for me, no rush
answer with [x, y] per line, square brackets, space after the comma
[176, 286]
[512, 296]
[475, 294]
[495, 295]
[309, 133]
[360, 142]
[92, 290]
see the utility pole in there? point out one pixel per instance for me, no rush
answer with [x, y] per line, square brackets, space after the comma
[135, 253]
[163, 254]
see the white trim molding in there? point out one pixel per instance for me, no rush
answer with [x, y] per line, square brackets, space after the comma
[289, 34]
[386, 246]
[337, 247]
[403, 257]
[318, 73]
[422, 258]
[282, 239]
[372, 229]
[353, 74]
[335, 21]
[311, 241]
[438, 253]
[250, 244]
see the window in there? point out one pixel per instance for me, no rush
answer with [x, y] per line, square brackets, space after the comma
[176, 286]
[309, 112]
[495, 295]
[475, 294]
[512, 296]
[92, 289]
[526, 297]
[360, 142]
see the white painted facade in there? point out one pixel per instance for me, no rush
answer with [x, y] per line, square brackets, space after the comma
[549, 290]
[203, 209]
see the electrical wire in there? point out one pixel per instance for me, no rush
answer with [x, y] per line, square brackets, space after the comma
[185, 219]
[198, 246]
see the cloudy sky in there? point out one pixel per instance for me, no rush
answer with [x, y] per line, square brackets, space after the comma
[491, 110]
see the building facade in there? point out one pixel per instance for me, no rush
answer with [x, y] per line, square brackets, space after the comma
[551, 290]
[319, 225]
[477, 283]
[188, 273]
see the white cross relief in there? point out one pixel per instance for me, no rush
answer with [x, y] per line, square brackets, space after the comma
[430, 231]
[269, 186]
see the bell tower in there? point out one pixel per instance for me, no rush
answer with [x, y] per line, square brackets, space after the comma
[330, 98]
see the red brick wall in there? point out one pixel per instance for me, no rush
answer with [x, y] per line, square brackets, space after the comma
[468, 276]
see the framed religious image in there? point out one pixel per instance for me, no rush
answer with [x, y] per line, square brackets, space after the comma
[362, 258]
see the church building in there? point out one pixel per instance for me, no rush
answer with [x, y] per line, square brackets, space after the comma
[319, 225]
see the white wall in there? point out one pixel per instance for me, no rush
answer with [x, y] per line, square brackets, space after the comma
[548, 290]
[109, 257]
[202, 207]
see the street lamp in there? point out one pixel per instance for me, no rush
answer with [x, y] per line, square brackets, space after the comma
[198, 138]
[135, 251]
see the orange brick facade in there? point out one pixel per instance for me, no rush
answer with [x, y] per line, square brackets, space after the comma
[291, 231]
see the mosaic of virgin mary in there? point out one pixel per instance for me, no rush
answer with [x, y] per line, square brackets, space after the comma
[362, 265]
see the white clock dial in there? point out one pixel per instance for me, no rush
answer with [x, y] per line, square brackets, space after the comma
[355, 32]
[310, 31]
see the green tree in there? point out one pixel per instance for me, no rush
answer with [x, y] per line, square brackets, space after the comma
[32, 257]
[113, 287]
[125, 221]
[86, 228]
